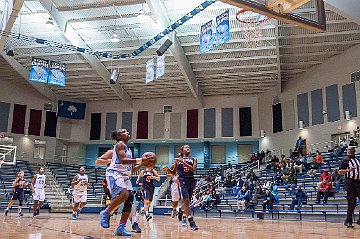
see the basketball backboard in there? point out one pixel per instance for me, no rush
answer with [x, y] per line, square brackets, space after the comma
[281, 9]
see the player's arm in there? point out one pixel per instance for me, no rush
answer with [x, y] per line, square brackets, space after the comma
[75, 181]
[105, 158]
[344, 167]
[172, 169]
[120, 151]
[135, 168]
[156, 177]
[191, 168]
[33, 183]
[16, 182]
[140, 175]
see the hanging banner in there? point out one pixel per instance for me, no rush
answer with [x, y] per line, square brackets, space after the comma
[149, 70]
[39, 70]
[222, 28]
[160, 66]
[57, 73]
[206, 38]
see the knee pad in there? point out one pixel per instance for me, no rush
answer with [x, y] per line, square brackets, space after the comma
[20, 203]
[128, 203]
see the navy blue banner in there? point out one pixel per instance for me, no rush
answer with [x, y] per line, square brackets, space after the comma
[222, 28]
[39, 70]
[57, 73]
[206, 38]
[71, 110]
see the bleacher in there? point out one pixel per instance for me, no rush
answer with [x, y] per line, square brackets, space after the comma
[8, 174]
[336, 206]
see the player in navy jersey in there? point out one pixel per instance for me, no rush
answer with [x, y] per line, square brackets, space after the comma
[147, 178]
[18, 192]
[185, 166]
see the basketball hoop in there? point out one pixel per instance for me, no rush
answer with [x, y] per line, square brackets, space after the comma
[252, 27]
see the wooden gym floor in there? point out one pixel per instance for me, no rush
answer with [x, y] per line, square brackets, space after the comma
[60, 226]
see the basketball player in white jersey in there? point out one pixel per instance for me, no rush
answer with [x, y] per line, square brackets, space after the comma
[80, 184]
[39, 185]
[175, 195]
[119, 183]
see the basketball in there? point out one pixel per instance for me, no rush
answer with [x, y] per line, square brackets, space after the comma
[148, 159]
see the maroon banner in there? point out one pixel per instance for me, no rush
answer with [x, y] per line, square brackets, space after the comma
[18, 123]
[192, 123]
[142, 125]
[35, 122]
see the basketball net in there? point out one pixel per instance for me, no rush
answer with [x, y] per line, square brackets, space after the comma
[252, 27]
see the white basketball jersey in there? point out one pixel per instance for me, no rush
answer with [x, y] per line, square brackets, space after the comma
[82, 185]
[116, 168]
[40, 181]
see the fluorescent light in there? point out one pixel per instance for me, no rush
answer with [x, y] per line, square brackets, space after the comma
[347, 115]
[262, 133]
[114, 38]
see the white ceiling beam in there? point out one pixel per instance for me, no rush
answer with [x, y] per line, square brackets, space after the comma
[335, 43]
[158, 10]
[76, 40]
[100, 4]
[9, 23]
[346, 8]
[43, 89]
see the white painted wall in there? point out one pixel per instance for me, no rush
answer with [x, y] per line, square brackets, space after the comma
[335, 70]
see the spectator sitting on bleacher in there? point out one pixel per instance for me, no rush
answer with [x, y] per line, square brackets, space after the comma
[291, 182]
[268, 201]
[215, 199]
[343, 145]
[303, 161]
[336, 179]
[262, 156]
[309, 160]
[239, 185]
[298, 164]
[196, 201]
[257, 194]
[299, 198]
[325, 175]
[352, 142]
[243, 198]
[266, 183]
[252, 175]
[325, 189]
[282, 159]
[274, 191]
[206, 200]
[253, 158]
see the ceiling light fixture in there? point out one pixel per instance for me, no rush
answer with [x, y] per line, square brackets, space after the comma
[114, 38]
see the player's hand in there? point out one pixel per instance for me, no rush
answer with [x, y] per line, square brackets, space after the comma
[351, 169]
[165, 168]
[137, 182]
[177, 160]
[152, 177]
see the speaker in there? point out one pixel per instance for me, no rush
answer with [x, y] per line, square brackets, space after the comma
[10, 52]
[164, 47]
[48, 106]
[114, 76]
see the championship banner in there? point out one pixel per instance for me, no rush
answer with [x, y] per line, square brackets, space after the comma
[57, 73]
[222, 28]
[206, 38]
[71, 110]
[39, 70]
[160, 66]
[149, 70]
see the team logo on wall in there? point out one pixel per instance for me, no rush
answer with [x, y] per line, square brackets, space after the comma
[39, 70]
[149, 70]
[160, 66]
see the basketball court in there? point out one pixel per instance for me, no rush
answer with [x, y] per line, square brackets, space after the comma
[59, 226]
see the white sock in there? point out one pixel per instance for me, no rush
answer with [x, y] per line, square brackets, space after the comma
[133, 219]
[19, 210]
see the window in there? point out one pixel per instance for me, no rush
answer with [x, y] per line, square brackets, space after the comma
[162, 154]
[102, 150]
[218, 154]
[39, 149]
[167, 108]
